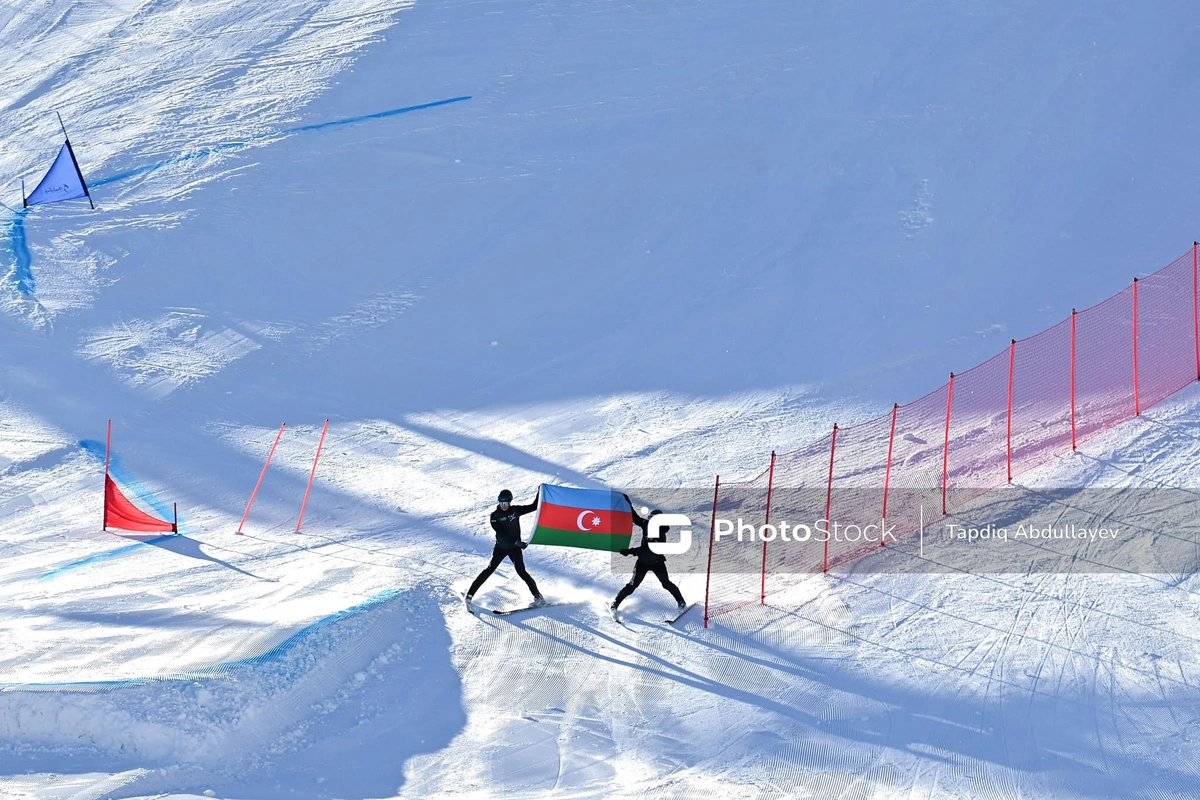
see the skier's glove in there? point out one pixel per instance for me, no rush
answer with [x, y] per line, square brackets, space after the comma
[524, 545]
[624, 551]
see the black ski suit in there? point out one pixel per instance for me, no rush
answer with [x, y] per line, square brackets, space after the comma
[507, 525]
[647, 561]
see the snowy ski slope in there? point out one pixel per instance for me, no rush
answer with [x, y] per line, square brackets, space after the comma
[499, 243]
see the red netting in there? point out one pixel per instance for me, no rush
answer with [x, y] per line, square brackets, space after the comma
[915, 489]
[858, 478]
[1166, 332]
[1041, 405]
[1104, 365]
[805, 474]
[978, 456]
[1012, 413]
[736, 565]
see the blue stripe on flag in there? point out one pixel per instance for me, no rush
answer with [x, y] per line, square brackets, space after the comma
[594, 499]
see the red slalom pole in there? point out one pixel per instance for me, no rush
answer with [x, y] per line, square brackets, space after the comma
[310, 476]
[829, 498]
[712, 527]
[1137, 400]
[1073, 315]
[946, 449]
[1012, 360]
[261, 475]
[767, 521]
[107, 447]
[887, 470]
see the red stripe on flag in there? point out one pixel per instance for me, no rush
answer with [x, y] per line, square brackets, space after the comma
[585, 520]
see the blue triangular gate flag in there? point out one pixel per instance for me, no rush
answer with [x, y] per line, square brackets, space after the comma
[62, 182]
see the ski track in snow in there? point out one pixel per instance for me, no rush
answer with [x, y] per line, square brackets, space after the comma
[184, 346]
[168, 353]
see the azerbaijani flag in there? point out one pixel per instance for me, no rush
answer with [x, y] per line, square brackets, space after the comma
[597, 519]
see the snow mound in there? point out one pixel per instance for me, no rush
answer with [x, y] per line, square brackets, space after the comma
[373, 681]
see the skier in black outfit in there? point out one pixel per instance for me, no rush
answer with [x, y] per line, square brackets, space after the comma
[647, 561]
[506, 522]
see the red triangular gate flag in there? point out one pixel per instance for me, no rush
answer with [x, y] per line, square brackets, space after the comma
[120, 513]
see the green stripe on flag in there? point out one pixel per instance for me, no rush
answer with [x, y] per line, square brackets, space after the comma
[590, 541]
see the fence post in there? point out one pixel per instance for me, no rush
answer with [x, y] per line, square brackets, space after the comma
[946, 448]
[887, 470]
[1073, 315]
[712, 526]
[829, 498]
[1196, 300]
[1137, 400]
[311, 475]
[1012, 361]
[767, 521]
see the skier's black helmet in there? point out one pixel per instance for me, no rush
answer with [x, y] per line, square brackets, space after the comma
[505, 496]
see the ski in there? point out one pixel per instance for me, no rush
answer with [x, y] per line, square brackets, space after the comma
[504, 612]
[467, 604]
[676, 618]
[616, 617]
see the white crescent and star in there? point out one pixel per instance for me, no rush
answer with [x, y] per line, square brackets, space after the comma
[595, 520]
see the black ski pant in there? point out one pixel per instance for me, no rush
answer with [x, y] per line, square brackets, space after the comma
[639, 572]
[498, 555]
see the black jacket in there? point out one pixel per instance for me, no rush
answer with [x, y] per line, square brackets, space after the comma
[507, 525]
[643, 552]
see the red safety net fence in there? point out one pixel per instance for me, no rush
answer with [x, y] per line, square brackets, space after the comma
[1034, 401]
